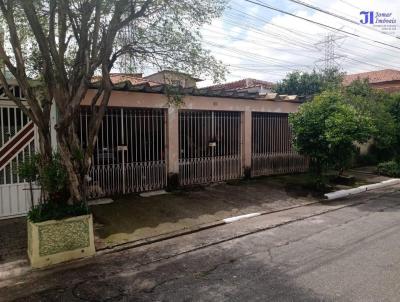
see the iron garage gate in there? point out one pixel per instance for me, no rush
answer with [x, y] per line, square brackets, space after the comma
[272, 151]
[130, 151]
[210, 144]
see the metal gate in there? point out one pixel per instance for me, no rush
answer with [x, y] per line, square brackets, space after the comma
[210, 144]
[17, 141]
[130, 151]
[272, 151]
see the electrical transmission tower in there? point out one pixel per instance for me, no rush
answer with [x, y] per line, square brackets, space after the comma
[328, 45]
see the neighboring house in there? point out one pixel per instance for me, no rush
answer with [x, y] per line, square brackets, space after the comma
[174, 78]
[133, 78]
[248, 84]
[387, 79]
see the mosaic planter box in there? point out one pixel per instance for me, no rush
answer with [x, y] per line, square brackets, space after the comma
[55, 241]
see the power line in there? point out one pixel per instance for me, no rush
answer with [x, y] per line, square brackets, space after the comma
[320, 24]
[261, 59]
[251, 54]
[298, 32]
[337, 16]
[349, 4]
[305, 45]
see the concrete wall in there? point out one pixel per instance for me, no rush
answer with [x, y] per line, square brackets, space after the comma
[171, 78]
[153, 100]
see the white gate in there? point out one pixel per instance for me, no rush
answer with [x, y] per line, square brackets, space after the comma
[130, 151]
[272, 151]
[210, 144]
[17, 141]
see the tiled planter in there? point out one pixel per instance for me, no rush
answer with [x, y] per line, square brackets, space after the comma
[55, 241]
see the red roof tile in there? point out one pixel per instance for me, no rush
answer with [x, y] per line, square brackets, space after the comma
[378, 76]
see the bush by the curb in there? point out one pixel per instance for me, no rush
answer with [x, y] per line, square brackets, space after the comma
[389, 168]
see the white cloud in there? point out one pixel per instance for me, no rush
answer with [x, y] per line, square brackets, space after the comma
[274, 44]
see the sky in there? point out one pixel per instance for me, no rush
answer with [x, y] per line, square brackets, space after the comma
[256, 42]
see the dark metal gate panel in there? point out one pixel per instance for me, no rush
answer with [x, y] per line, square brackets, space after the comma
[210, 146]
[272, 151]
[130, 151]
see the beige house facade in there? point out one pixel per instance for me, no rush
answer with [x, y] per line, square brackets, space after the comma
[146, 143]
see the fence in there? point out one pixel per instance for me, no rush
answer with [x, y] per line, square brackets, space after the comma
[272, 151]
[210, 144]
[130, 151]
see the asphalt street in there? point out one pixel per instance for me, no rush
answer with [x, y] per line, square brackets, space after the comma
[345, 253]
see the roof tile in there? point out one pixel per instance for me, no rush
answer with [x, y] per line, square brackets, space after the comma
[378, 76]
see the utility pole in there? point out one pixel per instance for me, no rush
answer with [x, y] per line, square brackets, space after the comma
[328, 45]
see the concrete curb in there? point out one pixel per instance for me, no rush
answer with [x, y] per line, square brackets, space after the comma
[361, 189]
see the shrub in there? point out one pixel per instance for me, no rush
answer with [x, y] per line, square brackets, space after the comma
[389, 168]
[51, 176]
[56, 211]
[326, 129]
[53, 179]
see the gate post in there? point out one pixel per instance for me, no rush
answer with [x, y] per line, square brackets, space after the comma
[172, 148]
[247, 120]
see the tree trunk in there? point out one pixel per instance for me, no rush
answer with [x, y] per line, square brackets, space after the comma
[70, 149]
[45, 143]
[31, 193]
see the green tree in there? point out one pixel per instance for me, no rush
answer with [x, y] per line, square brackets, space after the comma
[376, 105]
[326, 129]
[394, 109]
[63, 43]
[308, 84]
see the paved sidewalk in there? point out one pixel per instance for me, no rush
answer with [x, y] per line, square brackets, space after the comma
[135, 219]
[12, 239]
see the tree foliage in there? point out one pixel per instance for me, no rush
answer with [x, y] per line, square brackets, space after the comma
[308, 84]
[61, 44]
[394, 110]
[326, 129]
[374, 104]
